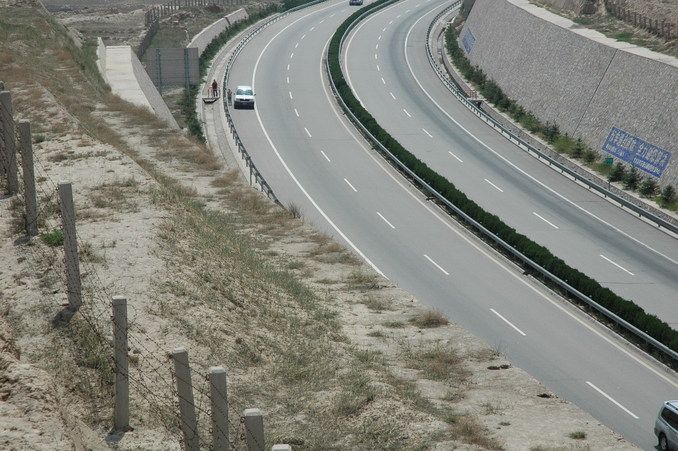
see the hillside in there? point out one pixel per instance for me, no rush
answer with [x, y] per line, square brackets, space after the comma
[334, 356]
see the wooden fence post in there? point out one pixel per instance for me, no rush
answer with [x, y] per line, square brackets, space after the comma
[254, 429]
[219, 398]
[8, 158]
[29, 178]
[121, 365]
[189, 423]
[70, 246]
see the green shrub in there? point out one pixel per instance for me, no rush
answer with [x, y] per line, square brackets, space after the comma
[617, 173]
[649, 187]
[54, 238]
[631, 179]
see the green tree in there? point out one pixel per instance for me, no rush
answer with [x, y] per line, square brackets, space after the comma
[668, 194]
[617, 173]
[649, 187]
[631, 179]
[579, 148]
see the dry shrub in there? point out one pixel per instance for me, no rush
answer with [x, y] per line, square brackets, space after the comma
[471, 432]
[429, 319]
[227, 179]
[438, 363]
[376, 303]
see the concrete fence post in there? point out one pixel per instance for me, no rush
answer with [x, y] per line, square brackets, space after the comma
[121, 365]
[31, 199]
[8, 157]
[189, 423]
[70, 246]
[254, 429]
[219, 403]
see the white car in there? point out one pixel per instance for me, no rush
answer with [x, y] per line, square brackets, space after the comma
[243, 97]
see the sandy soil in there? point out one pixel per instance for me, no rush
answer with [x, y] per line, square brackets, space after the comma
[123, 230]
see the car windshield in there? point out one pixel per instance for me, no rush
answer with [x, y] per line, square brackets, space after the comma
[246, 92]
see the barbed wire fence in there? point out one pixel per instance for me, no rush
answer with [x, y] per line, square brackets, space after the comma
[192, 407]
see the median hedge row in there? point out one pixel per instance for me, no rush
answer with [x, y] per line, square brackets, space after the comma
[621, 307]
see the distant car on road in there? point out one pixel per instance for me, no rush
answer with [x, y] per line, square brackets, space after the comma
[666, 426]
[243, 97]
[355, 2]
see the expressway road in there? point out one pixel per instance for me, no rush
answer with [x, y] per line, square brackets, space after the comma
[312, 158]
[390, 74]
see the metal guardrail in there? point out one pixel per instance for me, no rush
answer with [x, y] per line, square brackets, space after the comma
[254, 174]
[505, 246]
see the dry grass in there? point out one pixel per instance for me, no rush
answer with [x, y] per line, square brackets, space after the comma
[430, 318]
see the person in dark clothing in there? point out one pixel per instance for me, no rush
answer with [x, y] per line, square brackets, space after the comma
[215, 89]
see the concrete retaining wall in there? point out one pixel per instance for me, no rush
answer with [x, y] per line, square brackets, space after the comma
[576, 77]
[128, 79]
[101, 58]
[151, 93]
[203, 39]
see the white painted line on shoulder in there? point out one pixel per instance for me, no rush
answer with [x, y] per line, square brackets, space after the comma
[436, 265]
[545, 220]
[386, 221]
[429, 135]
[617, 265]
[508, 322]
[612, 400]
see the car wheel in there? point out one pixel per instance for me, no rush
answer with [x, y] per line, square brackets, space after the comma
[663, 443]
